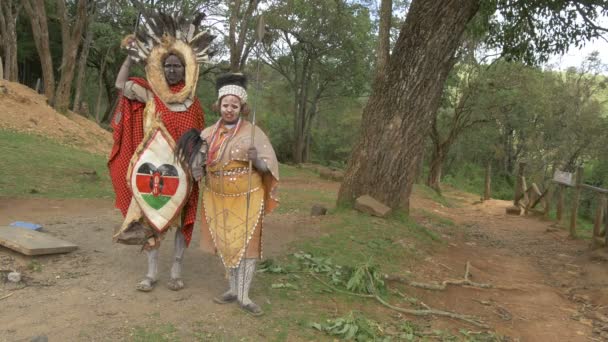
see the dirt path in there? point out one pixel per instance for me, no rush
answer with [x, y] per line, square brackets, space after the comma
[556, 290]
[556, 286]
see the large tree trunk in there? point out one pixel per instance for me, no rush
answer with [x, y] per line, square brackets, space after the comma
[398, 114]
[40, 30]
[70, 39]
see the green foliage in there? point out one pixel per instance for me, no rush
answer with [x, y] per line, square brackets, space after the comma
[532, 31]
[40, 167]
[352, 327]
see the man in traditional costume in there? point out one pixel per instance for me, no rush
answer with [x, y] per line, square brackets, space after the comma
[153, 191]
[242, 175]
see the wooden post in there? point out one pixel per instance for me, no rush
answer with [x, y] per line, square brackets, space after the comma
[561, 189]
[599, 216]
[577, 197]
[488, 189]
[519, 183]
[547, 200]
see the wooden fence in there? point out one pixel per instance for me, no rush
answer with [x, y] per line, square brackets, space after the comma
[526, 199]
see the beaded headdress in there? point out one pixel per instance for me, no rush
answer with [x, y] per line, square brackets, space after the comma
[232, 84]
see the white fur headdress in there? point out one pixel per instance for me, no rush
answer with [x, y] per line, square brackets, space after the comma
[163, 34]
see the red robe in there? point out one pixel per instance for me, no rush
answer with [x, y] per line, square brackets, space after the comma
[127, 123]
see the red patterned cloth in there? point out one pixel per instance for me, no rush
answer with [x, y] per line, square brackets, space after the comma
[127, 123]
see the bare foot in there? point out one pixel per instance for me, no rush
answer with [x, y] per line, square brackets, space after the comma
[253, 309]
[146, 285]
[175, 284]
[225, 298]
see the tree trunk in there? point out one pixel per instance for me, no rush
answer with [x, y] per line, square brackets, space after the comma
[9, 13]
[82, 66]
[397, 116]
[435, 167]
[238, 51]
[384, 38]
[40, 30]
[98, 115]
[71, 38]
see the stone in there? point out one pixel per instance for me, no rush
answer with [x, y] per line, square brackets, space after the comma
[514, 210]
[329, 174]
[14, 277]
[41, 338]
[318, 210]
[369, 205]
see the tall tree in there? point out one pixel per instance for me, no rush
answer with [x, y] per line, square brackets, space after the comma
[71, 37]
[399, 112]
[322, 49]
[36, 12]
[9, 13]
[82, 61]
[240, 43]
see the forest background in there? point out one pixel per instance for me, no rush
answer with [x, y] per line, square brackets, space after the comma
[321, 61]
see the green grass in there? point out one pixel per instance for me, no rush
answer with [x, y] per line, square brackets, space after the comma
[584, 226]
[348, 238]
[39, 167]
[160, 333]
[437, 219]
[431, 194]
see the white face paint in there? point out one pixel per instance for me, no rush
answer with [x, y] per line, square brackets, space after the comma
[230, 109]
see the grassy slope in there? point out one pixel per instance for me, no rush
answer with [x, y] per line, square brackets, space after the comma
[35, 166]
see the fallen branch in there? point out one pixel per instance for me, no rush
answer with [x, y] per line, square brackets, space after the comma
[440, 287]
[427, 312]
[431, 312]
[8, 295]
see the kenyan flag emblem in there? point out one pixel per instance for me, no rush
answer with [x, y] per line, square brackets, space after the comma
[157, 185]
[160, 185]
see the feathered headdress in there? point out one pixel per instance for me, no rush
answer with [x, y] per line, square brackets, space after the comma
[162, 34]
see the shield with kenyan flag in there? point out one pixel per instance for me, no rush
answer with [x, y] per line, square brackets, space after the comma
[159, 183]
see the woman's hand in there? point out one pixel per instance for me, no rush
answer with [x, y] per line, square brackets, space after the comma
[252, 154]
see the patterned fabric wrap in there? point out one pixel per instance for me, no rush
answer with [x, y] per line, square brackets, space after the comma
[225, 193]
[127, 124]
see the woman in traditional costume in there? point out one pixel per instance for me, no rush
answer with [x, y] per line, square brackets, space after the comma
[242, 175]
[153, 192]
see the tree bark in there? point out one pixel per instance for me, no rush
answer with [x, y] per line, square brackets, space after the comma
[70, 39]
[82, 65]
[238, 51]
[398, 114]
[9, 13]
[435, 168]
[384, 38]
[98, 116]
[40, 30]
